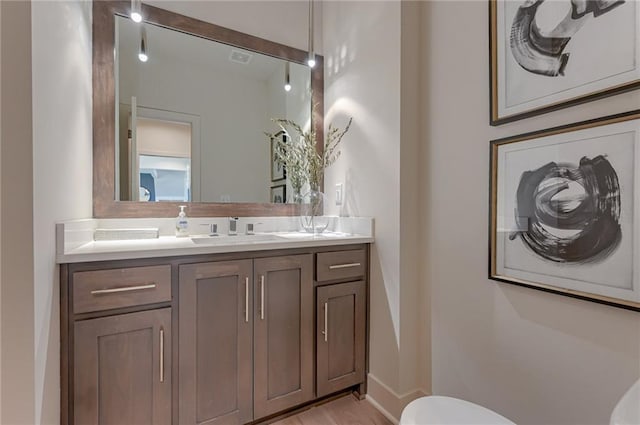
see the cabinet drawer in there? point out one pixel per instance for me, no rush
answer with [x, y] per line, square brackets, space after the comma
[340, 265]
[116, 288]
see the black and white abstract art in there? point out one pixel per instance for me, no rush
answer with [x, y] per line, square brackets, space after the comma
[546, 53]
[565, 209]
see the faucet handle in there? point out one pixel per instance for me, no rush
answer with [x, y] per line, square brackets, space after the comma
[213, 228]
[233, 225]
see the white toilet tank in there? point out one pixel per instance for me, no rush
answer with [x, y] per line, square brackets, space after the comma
[439, 410]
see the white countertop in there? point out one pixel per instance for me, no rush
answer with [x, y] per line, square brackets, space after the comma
[76, 244]
[168, 246]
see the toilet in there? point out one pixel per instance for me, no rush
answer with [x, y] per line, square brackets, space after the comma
[627, 411]
[439, 410]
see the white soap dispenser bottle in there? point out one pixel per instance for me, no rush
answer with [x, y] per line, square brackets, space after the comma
[182, 223]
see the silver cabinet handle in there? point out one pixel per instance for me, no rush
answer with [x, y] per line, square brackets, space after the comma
[343, 266]
[123, 289]
[246, 300]
[161, 354]
[326, 321]
[262, 297]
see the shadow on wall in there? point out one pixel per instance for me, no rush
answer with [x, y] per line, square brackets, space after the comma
[50, 402]
[339, 58]
[343, 54]
[349, 205]
[570, 316]
[381, 321]
[556, 325]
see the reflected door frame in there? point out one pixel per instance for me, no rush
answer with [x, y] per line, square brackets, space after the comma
[159, 114]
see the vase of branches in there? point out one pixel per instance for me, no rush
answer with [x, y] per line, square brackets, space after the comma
[305, 166]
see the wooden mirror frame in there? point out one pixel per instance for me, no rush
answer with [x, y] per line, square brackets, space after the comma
[104, 111]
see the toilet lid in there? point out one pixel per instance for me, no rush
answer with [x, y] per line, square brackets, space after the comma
[439, 410]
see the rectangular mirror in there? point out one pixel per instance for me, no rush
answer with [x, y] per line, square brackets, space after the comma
[192, 116]
[187, 124]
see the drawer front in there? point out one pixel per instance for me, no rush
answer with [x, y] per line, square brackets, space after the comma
[339, 265]
[116, 288]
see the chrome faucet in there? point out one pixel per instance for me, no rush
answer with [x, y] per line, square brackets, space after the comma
[233, 226]
[213, 229]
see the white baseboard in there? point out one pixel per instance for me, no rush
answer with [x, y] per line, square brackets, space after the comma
[382, 410]
[387, 401]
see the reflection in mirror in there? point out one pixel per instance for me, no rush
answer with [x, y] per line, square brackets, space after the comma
[191, 120]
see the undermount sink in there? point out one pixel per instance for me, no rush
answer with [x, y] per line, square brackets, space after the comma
[227, 240]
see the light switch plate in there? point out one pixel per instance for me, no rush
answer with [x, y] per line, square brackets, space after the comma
[339, 194]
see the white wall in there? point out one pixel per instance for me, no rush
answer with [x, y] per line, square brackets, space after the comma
[282, 21]
[232, 111]
[359, 84]
[62, 164]
[16, 227]
[535, 357]
[365, 45]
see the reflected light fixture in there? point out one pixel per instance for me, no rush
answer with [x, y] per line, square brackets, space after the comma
[311, 61]
[142, 54]
[136, 11]
[287, 78]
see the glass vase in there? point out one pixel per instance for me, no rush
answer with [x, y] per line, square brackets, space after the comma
[312, 219]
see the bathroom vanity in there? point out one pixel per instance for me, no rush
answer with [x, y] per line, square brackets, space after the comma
[213, 337]
[202, 330]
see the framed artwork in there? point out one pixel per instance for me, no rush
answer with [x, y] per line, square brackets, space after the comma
[278, 171]
[279, 194]
[546, 54]
[565, 210]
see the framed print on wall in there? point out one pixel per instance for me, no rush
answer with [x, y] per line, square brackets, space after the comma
[565, 210]
[550, 54]
[279, 194]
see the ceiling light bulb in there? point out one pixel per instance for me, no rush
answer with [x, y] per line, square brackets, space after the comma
[136, 11]
[311, 61]
[287, 77]
[142, 53]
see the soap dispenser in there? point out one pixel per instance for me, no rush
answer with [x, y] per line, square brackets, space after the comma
[182, 223]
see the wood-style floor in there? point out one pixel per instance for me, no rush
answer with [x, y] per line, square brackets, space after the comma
[346, 410]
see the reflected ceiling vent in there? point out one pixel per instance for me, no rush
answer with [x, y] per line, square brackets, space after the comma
[240, 57]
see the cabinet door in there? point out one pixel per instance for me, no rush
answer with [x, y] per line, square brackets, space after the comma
[283, 333]
[123, 369]
[341, 326]
[215, 350]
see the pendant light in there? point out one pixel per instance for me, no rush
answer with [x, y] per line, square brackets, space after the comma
[311, 61]
[142, 53]
[136, 11]
[287, 77]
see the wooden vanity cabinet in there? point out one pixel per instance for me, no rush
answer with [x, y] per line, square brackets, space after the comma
[340, 336]
[124, 369]
[116, 345]
[246, 338]
[216, 343]
[341, 320]
[283, 333]
[251, 335]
